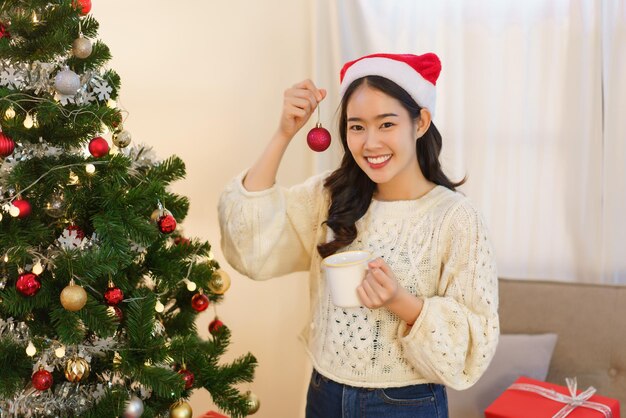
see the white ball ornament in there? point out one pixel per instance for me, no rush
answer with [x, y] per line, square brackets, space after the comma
[134, 407]
[67, 82]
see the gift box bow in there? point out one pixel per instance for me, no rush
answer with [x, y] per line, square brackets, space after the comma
[571, 402]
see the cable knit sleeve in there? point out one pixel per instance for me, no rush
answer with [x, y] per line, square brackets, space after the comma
[456, 334]
[269, 233]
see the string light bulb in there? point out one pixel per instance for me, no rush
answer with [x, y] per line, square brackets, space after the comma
[60, 352]
[31, 350]
[10, 113]
[35, 18]
[14, 211]
[37, 268]
[111, 104]
[159, 307]
[191, 286]
[90, 168]
[28, 121]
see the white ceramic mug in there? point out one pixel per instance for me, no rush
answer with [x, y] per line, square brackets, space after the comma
[344, 273]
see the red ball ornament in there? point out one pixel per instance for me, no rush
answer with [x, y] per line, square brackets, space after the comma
[167, 223]
[83, 5]
[4, 32]
[42, 379]
[318, 138]
[199, 302]
[188, 377]
[75, 231]
[7, 145]
[215, 326]
[98, 147]
[23, 206]
[113, 295]
[182, 241]
[28, 284]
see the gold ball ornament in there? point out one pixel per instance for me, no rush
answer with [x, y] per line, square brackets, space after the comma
[253, 403]
[220, 282]
[73, 297]
[122, 139]
[81, 47]
[180, 409]
[156, 214]
[76, 369]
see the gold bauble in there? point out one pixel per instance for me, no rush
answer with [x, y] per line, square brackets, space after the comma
[73, 297]
[180, 409]
[156, 214]
[76, 369]
[122, 139]
[81, 47]
[220, 282]
[253, 403]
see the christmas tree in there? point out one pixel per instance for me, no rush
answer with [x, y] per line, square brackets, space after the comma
[99, 290]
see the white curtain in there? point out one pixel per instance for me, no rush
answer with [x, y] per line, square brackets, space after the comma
[531, 105]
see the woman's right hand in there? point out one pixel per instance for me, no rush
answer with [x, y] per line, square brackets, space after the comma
[299, 103]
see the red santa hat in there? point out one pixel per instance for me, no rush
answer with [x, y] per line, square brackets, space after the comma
[417, 74]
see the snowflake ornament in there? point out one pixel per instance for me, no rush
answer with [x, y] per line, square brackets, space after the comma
[11, 77]
[101, 88]
[71, 240]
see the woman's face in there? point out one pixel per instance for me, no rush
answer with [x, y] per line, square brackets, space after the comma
[381, 137]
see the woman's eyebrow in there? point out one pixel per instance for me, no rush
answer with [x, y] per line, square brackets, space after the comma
[383, 116]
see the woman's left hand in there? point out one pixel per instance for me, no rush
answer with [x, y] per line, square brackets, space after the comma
[379, 287]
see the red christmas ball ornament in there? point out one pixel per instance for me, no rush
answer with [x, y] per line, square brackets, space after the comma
[182, 241]
[4, 32]
[188, 377]
[318, 138]
[199, 302]
[113, 295]
[98, 147]
[7, 145]
[75, 231]
[215, 326]
[167, 223]
[42, 379]
[23, 206]
[28, 284]
[84, 6]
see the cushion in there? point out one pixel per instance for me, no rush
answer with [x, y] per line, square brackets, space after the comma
[516, 355]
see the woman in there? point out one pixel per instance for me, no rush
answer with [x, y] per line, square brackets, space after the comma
[429, 315]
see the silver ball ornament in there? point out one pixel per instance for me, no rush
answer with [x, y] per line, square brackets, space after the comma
[81, 48]
[67, 82]
[122, 139]
[55, 207]
[134, 407]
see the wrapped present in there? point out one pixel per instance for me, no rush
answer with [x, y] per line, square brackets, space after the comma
[532, 398]
[213, 414]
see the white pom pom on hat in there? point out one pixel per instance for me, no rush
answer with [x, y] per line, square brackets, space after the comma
[417, 74]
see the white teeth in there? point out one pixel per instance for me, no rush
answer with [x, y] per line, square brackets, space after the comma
[378, 160]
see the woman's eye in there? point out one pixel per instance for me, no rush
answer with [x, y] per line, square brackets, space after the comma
[387, 125]
[355, 128]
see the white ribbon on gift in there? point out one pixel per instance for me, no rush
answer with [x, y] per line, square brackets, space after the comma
[572, 402]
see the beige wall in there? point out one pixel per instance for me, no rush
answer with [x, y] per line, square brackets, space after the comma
[204, 79]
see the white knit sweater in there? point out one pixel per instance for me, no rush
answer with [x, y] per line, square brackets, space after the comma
[437, 246]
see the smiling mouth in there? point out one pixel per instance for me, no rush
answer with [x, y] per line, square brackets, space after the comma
[378, 160]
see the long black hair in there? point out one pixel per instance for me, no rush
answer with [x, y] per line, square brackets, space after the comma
[351, 190]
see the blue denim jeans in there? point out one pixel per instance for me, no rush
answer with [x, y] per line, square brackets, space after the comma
[329, 399]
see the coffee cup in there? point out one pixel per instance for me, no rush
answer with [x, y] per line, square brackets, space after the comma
[344, 272]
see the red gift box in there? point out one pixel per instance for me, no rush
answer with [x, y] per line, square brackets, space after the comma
[514, 403]
[213, 414]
